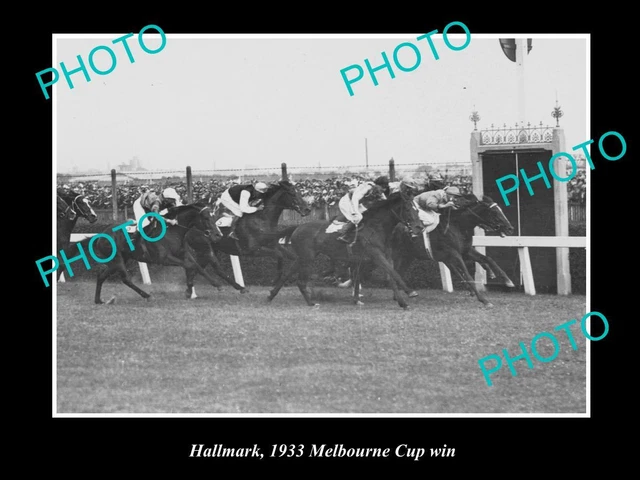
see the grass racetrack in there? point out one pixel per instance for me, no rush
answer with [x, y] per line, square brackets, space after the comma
[232, 353]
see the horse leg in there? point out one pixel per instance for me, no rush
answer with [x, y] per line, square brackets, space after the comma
[212, 260]
[274, 291]
[276, 253]
[304, 281]
[121, 267]
[395, 279]
[190, 272]
[329, 275]
[457, 263]
[104, 273]
[355, 281]
[490, 266]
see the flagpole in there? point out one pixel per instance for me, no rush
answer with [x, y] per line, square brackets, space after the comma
[521, 53]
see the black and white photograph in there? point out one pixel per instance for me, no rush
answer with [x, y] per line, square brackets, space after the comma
[280, 225]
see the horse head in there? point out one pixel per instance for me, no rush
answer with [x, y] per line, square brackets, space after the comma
[290, 198]
[64, 210]
[408, 214]
[488, 214]
[495, 217]
[78, 205]
[82, 206]
[197, 215]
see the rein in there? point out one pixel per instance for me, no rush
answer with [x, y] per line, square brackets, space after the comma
[194, 207]
[476, 215]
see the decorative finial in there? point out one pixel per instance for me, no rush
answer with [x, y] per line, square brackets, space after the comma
[557, 113]
[475, 118]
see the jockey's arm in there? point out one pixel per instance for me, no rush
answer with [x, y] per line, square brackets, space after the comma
[170, 221]
[431, 202]
[244, 203]
[358, 195]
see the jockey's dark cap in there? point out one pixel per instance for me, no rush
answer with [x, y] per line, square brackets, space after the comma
[383, 181]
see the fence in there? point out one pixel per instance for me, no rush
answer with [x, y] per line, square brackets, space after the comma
[577, 214]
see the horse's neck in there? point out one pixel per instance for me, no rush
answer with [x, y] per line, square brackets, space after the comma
[386, 218]
[70, 224]
[464, 222]
[272, 209]
[187, 217]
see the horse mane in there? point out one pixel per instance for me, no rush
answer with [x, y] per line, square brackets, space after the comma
[390, 201]
[68, 195]
[276, 187]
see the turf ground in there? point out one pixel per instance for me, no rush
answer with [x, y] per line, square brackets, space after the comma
[232, 353]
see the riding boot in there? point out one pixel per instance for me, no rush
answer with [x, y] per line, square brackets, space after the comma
[232, 232]
[346, 235]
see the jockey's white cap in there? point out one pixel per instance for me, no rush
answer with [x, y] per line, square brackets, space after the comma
[171, 193]
[261, 187]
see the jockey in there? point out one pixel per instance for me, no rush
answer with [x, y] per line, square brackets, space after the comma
[150, 202]
[241, 199]
[351, 204]
[429, 203]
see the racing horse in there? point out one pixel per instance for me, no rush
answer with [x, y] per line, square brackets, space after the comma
[258, 232]
[69, 207]
[452, 241]
[371, 243]
[194, 219]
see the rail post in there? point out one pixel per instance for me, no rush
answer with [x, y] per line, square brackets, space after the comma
[114, 194]
[189, 186]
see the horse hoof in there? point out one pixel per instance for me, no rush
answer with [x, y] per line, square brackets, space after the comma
[510, 284]
[244, 290]
[220, 289]
[112, 300]
[359, 303]
[405, 307]
[345, 284]
[413, 294]
[99, 302]
[316, 306]
[488, 305]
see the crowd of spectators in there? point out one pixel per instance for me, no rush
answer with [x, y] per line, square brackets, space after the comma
[316, 192]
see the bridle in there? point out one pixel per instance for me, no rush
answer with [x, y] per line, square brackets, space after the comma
[73, 212]
[400, 216]
[482, 220]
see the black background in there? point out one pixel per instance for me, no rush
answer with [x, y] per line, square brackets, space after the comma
[484, 446]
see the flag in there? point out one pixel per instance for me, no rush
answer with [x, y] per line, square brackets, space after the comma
[508, 46]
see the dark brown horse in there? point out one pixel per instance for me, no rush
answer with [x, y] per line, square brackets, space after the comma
[258, 232]
[194, 221]
[70, 206]
[452, 241]
[371, 243]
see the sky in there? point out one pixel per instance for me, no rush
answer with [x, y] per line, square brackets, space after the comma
[233, 102]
